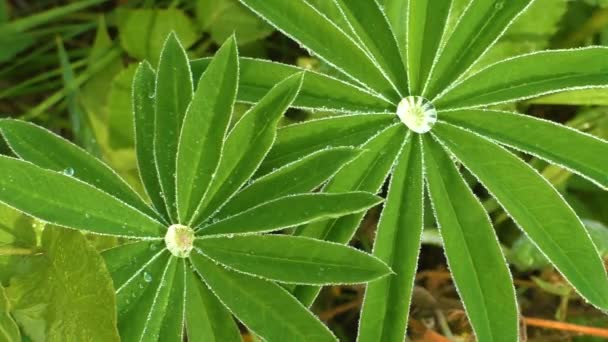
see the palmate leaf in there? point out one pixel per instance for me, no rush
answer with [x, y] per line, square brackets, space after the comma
[440, 43]
[173, 281]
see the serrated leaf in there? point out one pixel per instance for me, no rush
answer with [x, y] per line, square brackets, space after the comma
[290, 320]
[301, 176]
[202, 137]
[62, 200]
[387, 301]
[472, 249]
[291, 259]
[9, 331]
[280, 214]
[258, 76]
[582, 153]
[537, 208]
[246, 146]
[521, 78]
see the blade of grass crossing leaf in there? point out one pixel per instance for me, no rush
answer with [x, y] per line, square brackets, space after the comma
[528, 76]
[291, 211]
[426, 24]
[144, 88]
[246, 146]
[366, 173]
[298, 140]
[387, 301]
[204, 129]
[173, 95]
[290, 320]
[47, 150]
[472, 249]
[373, 31]
[479, 27]
[291, 259]
[582, 153]
[304, 24]
[536, 207]
[301, 176]
[60, 199]
[207, 320]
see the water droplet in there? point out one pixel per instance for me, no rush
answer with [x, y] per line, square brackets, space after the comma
[87, 215]
[230, 236]
[152, 95]
[147, 277]
[499, 5]
[417, 113]
[68, 172]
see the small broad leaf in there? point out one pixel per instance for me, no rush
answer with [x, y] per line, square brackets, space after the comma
[247, 297]
[291, 259]
[173, 95]
[60, 199]
[582, 153]
[472, 249]
[387, 301]
[522, 78]
[9, 331]
[204, 129]
[536, 207]
[280, 214]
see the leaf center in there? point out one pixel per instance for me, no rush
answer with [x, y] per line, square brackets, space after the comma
[417, 113]
[179, 240]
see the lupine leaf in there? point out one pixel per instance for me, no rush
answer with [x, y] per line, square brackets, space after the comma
[9, 331]
[366, 173]
[394, 11]
[313, 30]
[258, 76]
[172, 318]
[65, 201]
[521, 77]
[579, 152]
[247, 145]
[248, 297]
[207, 320]
[204, 129]
[279, 214]
[472, 249]
[173, 94]
[47, 150]
[481, 25]
[292, 259]
[372, 30]
[298, 140]
[144, 88]
[387, 301]
[536, 207]
[125, 262]
[301, 176]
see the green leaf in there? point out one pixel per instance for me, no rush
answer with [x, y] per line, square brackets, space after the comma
[306, 25]
[60, 199]
[426, 25]
[248, 297]
[16, 229]
[301, 176]
[280, 213]
[120, 109]
[258, 76]
[49, 151]
[298, 140]
[143, 31]
[472, 249]
[387, 301]
[584, 154]
[291, 259]
[69, 295]
[223, 18]
[207, 320]
[204, 129]
[247, 145]
[584, 97]
[394, 11]
[9, 331]
[372, 30]
[536, 207]
[366, 173]
[173, 95]
[529, 76]
[144, 84]
[480, 26]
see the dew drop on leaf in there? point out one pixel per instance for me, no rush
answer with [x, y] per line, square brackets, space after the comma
[417, 113]
[147, 277]
[68, 172]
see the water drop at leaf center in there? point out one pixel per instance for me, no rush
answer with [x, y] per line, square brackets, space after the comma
[179, 240]
[417, 113]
